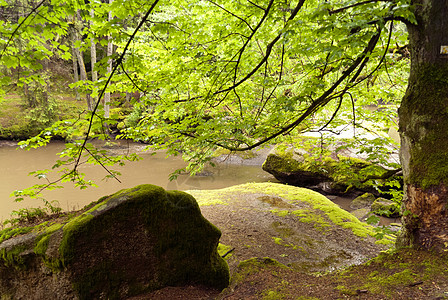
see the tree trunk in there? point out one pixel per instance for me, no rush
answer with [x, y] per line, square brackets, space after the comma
[93, 56]
[77, 27]
[109, 69]
[82, 68]
[424, 131]
[75, 73]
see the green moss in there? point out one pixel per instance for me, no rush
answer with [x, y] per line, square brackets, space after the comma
[345, 291]
[378, 282]
[252, 265]
[397, 268]
[13, 257]
[272, 295]
[42, 232]
[10, 232]
[277, 240]
[280, 213]
[208, 197]
[317, 201]
[308, 216]
[344, 173]
[41, 247]
[224, 249]
[71, 230]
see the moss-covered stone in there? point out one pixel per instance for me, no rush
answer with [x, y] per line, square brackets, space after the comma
[296, 165]
[323, 213]
[136, 240]
[363, 201]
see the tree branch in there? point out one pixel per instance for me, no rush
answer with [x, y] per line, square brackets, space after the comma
[231, 13]
[335, 11]
[19, 26]
[266, 56]
[320, 102]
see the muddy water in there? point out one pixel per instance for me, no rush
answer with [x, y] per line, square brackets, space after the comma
[154, 169]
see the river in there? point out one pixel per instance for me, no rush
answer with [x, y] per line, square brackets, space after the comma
[16, 164]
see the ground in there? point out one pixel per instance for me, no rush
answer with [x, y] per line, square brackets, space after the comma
[262, 263]
[394, 274]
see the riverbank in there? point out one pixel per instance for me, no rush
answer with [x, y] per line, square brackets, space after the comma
[19, 121]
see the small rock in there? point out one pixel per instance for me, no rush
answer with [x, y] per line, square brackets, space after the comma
[363, 201]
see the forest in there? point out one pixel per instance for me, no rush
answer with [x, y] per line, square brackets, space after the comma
[201, 78]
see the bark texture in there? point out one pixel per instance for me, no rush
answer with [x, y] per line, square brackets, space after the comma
[424, 130]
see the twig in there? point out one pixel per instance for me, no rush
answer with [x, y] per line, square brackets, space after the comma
[227, 253]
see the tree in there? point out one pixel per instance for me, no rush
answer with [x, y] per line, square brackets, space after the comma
[76, 41]
[424, 130]
[239, 75]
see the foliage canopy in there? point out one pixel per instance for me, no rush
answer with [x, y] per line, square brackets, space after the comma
[230, 74]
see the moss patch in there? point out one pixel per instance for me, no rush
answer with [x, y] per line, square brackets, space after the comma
[209, 197]
[10, 232]
[317, 201]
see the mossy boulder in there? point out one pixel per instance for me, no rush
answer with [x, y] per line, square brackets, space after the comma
[289, 165]
[296, 226]
[363, 201]
[137, 240]
[298, 164]
[386, 208]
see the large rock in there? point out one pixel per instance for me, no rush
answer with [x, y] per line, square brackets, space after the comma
[295, 226]
[295, 164]
[363, 201]
[137, 240]
[289, 165]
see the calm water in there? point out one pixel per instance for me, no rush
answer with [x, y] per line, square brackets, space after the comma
[154, 169]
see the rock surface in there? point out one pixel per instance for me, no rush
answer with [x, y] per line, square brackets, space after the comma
[134, 241]
[295, 226]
